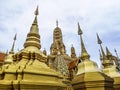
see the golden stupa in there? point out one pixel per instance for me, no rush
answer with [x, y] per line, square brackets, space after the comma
[33, 69]
[89, 77]
[110, 65]
[27, 70]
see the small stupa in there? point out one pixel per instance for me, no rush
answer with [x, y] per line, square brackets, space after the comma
[89, 77]
[109, 66]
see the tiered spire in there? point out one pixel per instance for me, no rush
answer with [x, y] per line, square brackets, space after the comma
[34, 26]
[33, 37]
[57, 35]
[84, 53]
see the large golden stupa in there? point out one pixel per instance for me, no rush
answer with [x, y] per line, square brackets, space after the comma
[32, 69]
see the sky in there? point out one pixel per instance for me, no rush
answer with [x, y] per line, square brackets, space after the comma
[94, 16]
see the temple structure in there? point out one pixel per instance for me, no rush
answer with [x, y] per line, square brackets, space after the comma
[33, 69]
[58, 59]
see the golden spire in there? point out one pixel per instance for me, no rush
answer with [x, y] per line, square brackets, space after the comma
[79, 30]
[106, 62]
[108, 52]
[56, 23]
[33, 37]
[36, 13]
[84, 54]
[12, 49]
[100, 42]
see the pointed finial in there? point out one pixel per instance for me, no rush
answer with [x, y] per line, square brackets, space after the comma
[84, 53]
[56, 23]
[116, 53]
[99, 41]
[79, 30]
[36, 11]
[12, 49]
[108, 52]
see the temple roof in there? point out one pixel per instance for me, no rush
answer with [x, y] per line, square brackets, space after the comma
[2, 57]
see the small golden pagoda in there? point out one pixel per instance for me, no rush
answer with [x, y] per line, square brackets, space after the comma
[110, 65]
[9, 58]
[58, 59]
[89, 77]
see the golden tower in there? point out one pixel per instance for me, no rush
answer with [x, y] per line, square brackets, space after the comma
[58, 59]
[58, 51]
